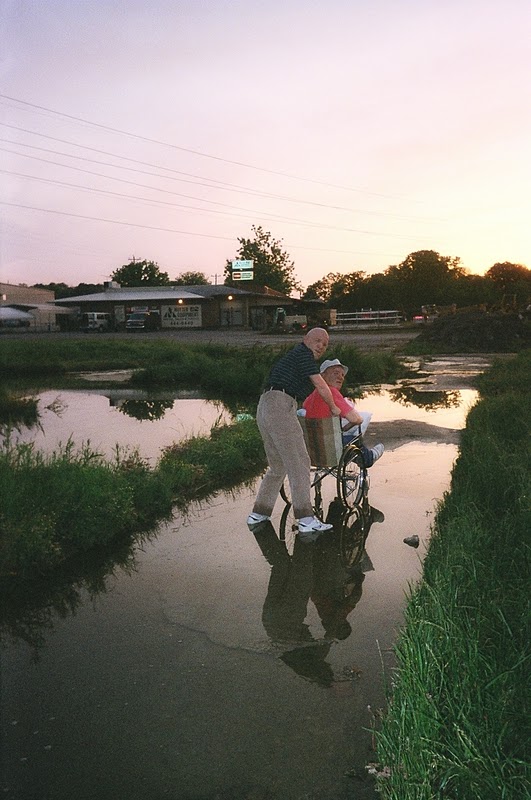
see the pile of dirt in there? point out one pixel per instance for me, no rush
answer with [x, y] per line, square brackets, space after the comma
[477, 332]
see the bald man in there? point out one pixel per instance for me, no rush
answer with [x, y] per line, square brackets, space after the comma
[291, 379]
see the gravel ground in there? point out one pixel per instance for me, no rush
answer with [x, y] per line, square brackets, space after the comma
[389, 339]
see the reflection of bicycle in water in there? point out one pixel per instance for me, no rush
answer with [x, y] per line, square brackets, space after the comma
[351, 528]
[329, 572]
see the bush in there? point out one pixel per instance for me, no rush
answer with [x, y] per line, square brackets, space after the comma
[473, 332]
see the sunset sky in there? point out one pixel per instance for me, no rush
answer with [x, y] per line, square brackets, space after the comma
[355, 132]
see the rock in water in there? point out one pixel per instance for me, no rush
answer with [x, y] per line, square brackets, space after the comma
[412, 541]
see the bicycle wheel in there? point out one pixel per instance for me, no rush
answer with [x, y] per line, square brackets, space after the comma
[354, 530]
[285, 493]
[351, 476]
[288, 528]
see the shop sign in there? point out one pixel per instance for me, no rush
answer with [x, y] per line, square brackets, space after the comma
[185, 316]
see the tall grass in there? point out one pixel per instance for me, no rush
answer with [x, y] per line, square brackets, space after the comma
[457, 724]
[56, 507]
[218, 369]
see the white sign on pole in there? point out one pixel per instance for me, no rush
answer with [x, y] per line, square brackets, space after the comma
[242, 270]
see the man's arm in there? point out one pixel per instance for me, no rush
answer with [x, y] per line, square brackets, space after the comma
[353, 417]
[324, 390]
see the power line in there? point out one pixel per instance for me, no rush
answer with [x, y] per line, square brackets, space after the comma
[114, 221]
[197, 152]
[252, 192]
[222, 184]
[250, 215]
[171, 230]
[179, 194]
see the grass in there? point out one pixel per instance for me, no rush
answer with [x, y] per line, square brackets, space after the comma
[219, 369]
[54, 508]
[457, 724]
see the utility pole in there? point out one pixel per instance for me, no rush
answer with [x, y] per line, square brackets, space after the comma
[215, 279]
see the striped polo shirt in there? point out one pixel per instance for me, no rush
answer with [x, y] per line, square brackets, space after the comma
[292, 372]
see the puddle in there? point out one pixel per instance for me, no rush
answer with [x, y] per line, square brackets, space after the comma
[128, 418]
[121, 418]
[219, 662]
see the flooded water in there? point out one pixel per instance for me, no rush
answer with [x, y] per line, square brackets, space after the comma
[219, 663]
[121, 418]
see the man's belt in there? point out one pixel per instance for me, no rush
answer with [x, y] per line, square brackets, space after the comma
[278, 389]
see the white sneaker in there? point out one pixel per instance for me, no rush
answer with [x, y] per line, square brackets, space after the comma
[314, 526]
[255, 519]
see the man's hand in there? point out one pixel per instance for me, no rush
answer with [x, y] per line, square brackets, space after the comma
[335, 411]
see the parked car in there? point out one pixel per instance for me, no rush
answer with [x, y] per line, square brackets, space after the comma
[95, 321]
[143, 321]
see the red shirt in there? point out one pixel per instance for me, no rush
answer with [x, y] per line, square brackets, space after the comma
[316, 408]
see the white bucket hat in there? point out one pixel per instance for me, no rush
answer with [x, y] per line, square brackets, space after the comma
[332, 362]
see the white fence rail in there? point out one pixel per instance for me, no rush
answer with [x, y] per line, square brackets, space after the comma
[372, 319]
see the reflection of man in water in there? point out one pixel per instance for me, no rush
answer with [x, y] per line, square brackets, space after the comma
[317, 572]
[286, 605]
[337, 585]
[289, 587]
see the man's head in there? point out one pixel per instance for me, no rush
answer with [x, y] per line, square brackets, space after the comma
[317, 341]
[333, 371]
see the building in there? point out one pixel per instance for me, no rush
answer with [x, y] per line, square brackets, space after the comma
[182, 307]
[29, 307]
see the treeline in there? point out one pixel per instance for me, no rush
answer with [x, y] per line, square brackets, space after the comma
[426, 278]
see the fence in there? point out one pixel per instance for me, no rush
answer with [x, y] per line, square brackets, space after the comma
[370, 319]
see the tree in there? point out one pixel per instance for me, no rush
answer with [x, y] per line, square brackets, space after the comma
[377, 292]
[335, 289]
[424, 277]
[272, 266]
[140, 273]
[191, 278]
[512, 283]
[505, 274]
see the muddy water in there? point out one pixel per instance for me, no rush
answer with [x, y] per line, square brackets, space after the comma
[225, 663]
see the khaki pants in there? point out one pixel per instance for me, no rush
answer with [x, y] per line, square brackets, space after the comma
[286, 454]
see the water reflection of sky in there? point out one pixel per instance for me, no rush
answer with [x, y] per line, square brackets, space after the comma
[112, 419]
[385, 409]
[88, 416]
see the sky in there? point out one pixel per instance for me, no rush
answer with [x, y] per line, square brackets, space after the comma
[354, 131]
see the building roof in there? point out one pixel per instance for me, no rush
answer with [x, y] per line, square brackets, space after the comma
[211, 290]
[9, 313]
[51, 307]
[137, 293]
[196, 292]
